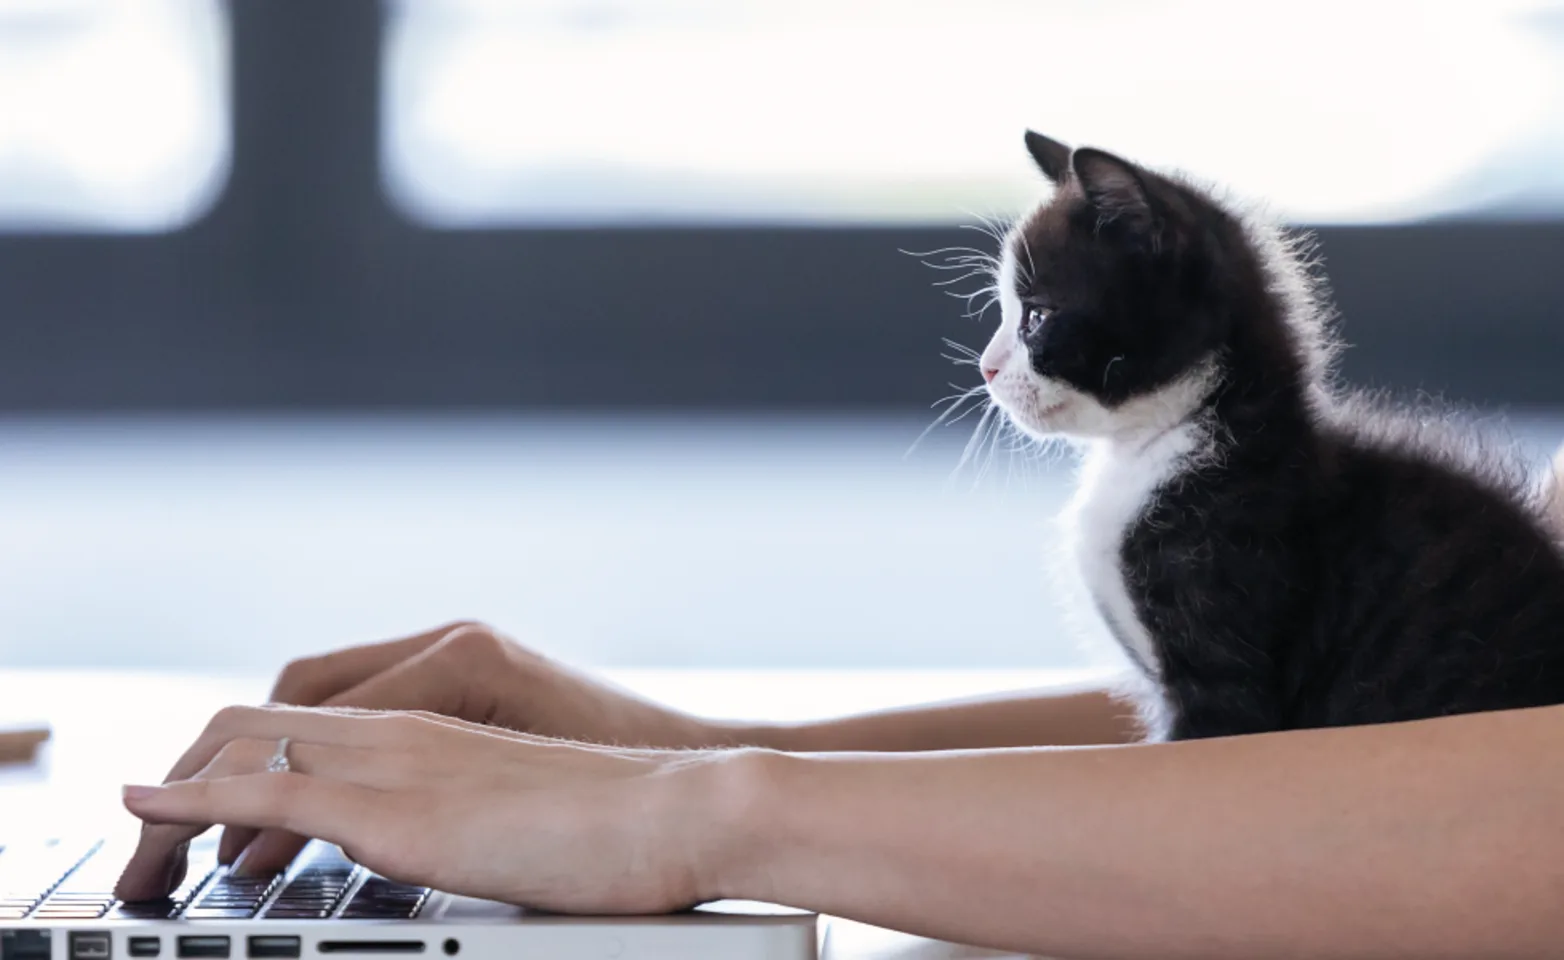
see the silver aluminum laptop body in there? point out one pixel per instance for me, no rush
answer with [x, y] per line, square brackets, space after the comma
[56, 904]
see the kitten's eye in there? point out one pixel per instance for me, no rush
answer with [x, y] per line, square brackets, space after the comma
[1033, 321]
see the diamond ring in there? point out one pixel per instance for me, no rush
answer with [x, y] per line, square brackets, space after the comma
[279, 761]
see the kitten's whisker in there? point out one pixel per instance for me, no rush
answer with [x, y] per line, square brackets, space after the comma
[964, 356]
[966, 412]
[994, 227]
[985, 229]
[972, 444]
[970, 274]
[988, 289]
[954, 403]
[961, 393]
[1007, 433]
[994, 433]
[979, 450]
[957, 263]
[958, 258]
[977, 313]
[944, 251]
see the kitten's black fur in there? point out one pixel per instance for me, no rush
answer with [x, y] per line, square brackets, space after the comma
[1334, 561]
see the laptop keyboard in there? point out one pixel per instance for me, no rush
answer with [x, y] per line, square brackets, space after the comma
[61, 880]
[313, 893]
[30, 876]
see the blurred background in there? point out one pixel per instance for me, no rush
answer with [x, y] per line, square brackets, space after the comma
[326, 322]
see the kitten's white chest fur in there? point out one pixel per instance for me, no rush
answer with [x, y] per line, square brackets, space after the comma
[1118, 483]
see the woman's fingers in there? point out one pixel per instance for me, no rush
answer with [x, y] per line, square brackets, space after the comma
[373, 751]
[270, 852]
[346, 814]
[158, 864]
[311, 681]
[378, 768]
[430, 671]
[235, 840]
[340, 727]
[440, 678]
[441, 802]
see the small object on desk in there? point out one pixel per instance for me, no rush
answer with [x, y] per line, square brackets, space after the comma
[19, 742]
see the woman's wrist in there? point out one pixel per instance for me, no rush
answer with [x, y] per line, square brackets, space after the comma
[723, 804]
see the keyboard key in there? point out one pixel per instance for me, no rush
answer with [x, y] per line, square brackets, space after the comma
[380, 898]
[33, 871]
[68, 913]
[200, 866]
[218, 913]
[199, 869]
[228, 896]
[97, 873]
[73, 910]
[145, 910]
[321, 876]
[296, 913]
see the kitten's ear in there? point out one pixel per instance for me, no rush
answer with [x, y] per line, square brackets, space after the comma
[1112, 186]
[1052, 157]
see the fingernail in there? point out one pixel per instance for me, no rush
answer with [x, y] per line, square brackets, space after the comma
[136, 792]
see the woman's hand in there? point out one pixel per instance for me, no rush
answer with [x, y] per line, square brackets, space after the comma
[440, 802]
[472, 672]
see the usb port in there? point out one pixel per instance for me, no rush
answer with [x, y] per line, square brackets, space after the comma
[190, 947]
[274, 946]
[24, 945]
[91, 945]
[146, 946]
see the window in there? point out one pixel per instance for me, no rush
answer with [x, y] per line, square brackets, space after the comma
[788, 110]
[113, 116]
[574, 487]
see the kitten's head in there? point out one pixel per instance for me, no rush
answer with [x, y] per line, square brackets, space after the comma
[1127, 299]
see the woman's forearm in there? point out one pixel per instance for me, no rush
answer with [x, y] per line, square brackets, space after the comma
[1432, 839]
[1064, 717]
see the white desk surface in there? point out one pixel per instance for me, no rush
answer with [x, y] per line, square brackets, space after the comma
[120, 727]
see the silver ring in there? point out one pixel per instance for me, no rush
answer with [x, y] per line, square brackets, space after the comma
[279, 761]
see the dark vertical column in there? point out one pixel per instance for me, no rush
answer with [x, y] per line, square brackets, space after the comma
[300, 219]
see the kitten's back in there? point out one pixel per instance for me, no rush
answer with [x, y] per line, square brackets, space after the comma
[1438, 566]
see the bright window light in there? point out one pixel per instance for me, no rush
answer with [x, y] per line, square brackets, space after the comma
[113, 115]
[784, 110]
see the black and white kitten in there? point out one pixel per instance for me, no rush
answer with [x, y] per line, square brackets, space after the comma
[1271, 552]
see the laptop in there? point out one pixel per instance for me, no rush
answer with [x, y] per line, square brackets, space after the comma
[56, 903]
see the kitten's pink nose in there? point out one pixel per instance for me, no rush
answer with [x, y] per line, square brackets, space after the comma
[989, 373]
